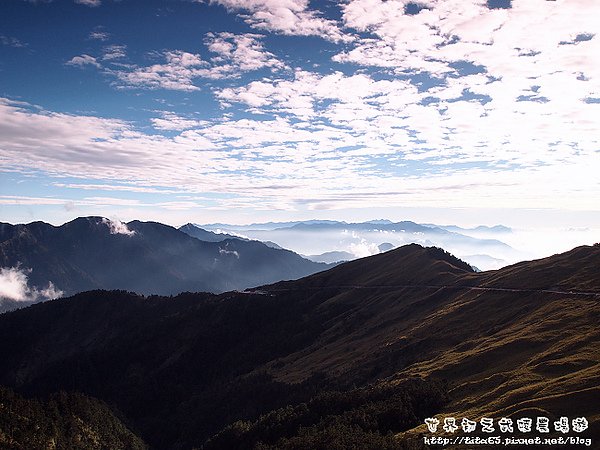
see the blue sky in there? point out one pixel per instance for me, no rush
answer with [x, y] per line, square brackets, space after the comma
[241, 111]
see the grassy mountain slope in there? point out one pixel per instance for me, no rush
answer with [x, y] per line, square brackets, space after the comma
[505, 341]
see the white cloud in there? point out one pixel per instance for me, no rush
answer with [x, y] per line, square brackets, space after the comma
[302, 95]
[244, 53]
[363, 248]
[82, 61]
[236, 54]
[92, 3]
[50, 292]
[503, 126]
[178, 73]
[117, 227]
[288, 163]
[223, 251]
[14, 286]
[517, 49]
[290, 17]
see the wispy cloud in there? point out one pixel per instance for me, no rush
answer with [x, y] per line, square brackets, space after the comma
[100, 204]
[112, 52]
[99, 35]
[24, 200]
[111, 187]
[170, 121]
[10, 41]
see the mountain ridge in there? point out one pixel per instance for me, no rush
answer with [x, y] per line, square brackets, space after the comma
[147, 257]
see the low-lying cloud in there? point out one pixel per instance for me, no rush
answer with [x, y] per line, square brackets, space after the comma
[14, 285]
[117, 227]
[223, 251]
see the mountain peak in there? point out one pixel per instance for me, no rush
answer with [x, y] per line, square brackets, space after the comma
[99, 223]
[410, 264]
[204, 235]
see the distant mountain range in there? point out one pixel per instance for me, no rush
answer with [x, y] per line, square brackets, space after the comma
[207, 236]
[145, 257]
[331, 257]
[328, 240]
[359, 354]
[41, 261]
[479, 229]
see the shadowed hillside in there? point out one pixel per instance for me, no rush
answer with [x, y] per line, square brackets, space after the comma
[524, 338]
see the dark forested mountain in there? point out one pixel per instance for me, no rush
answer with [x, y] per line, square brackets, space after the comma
[7, 304]
[145, 257]
[356, 355]
[62, 421]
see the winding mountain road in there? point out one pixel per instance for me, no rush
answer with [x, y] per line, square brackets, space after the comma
[427, 286]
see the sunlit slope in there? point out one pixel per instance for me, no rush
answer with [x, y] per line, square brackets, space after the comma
[523, 337]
